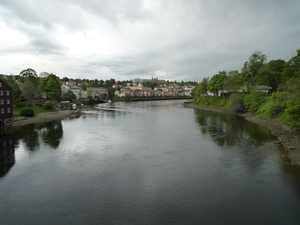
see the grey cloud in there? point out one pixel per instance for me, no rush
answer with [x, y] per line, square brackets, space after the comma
[186, 39]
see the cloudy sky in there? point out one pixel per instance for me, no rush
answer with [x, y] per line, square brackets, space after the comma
[127, 39]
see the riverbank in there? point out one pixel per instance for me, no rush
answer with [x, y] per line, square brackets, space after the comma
[43, 117]
[287, 137]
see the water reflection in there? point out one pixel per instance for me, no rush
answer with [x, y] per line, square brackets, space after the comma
[50, 133]
[7, 154]
[228, 130]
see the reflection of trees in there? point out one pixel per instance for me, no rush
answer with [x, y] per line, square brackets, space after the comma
[229, 130]
[237, 136]
[7, 154]
[51, 133]
[29, 136]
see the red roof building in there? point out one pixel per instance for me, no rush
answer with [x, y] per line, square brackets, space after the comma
[6, 113]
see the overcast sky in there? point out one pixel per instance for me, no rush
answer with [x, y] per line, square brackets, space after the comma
[126, 39]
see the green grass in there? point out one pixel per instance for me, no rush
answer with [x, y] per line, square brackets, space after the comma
[36, 108]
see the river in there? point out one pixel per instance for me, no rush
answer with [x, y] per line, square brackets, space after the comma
[152, 162]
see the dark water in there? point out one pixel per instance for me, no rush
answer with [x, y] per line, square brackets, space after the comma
[147, 163]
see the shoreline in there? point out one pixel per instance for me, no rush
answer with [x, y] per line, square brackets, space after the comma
[40, 118]
[287, 138]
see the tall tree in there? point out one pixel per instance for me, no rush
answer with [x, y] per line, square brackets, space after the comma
[216, 83]
[251, 67]
[292, 67]
[29, 90]
[50, 86]
[201, 88]
[29, 74]
[234, 81]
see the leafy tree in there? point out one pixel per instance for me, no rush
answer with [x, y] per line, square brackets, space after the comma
[275, 71]
[110, 93]
[202, 88]
[292, 67]
[234, 81]
[29, 90]
[68, 96]
[216, 83]
[29, 74]
[51, 87]
[65, 79]
[251, 67]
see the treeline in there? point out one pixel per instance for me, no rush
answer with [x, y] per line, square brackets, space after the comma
[237, 90]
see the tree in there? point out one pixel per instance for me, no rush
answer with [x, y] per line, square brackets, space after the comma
[292, 67]
[251, 67]
[68, 96]
[50, 86]
[111, 93]
[29, 74]
[216, 83]
[234, 81]
[29, 90]
[276, 67]
[202, 88]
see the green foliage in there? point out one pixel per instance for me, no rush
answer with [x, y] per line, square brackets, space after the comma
[252, 66]
[29, 74]
[127, 97]
[236, 103]
[68, 96]
[27, 112]
[50, 86]
[254, 100]
[293, 112]
[48, 105]
[110, 93]
[216, 83]
[29, 90]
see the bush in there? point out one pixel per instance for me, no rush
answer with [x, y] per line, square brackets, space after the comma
[27, 112]
[235, 103]
[48, 105]
[293, 112]
[254, 100]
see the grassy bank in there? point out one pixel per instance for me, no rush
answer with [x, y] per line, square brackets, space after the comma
[278, 107]
[38, 109]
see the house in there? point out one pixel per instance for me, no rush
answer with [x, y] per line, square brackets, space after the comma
[97, 93]
[6, 113]
[263, 88]
[77, 91]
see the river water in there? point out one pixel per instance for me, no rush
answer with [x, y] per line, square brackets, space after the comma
[153, 162]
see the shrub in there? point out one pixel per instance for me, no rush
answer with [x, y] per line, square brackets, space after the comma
[48, 105]
[235, 103]
[27, 112]
[254, 100]
[293, 112]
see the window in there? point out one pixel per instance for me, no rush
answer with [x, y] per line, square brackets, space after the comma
[0, 84]
[7, 101]
[2, 111]
[7, 93]
[8, 110]
[1, 102]
[1, 92]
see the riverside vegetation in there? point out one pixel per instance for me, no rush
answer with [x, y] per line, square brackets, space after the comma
[279, 111]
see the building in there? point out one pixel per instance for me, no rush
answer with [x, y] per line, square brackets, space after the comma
[6, 113]
[77, 91]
